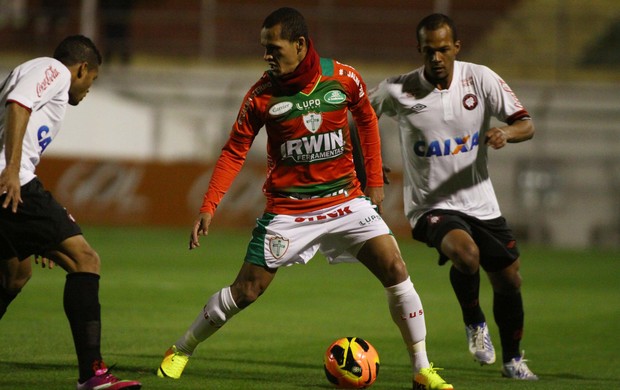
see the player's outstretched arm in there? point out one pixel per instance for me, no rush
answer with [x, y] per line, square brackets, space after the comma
[201, 228]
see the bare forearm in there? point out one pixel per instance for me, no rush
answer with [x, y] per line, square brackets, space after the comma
[521, 130]
[16, 121]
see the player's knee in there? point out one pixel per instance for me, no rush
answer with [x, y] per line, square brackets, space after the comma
[88, 261]
[392, 270]
[466, 258]
[513, 282]
[507, 281]
[397, 271]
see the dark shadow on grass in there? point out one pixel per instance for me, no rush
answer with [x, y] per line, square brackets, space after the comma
[5, 366]
[493, 373]
[239, 361]
[253, 371]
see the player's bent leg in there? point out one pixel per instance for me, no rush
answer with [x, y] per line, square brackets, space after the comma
[219, 309]
[250, 283]
[460, 247]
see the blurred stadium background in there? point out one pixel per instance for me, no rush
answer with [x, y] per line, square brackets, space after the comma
[139, 149]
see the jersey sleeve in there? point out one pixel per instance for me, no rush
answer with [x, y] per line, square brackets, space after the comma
[501, 99]
[367, 128]
[233, 154]
[49, 80]
[381, 99]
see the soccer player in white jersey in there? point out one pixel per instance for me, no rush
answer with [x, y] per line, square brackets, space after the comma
[33, 100]
[443, 111]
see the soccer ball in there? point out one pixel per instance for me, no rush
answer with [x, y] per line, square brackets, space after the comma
[351, 363]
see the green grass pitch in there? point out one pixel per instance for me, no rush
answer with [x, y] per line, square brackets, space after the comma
[152, 288]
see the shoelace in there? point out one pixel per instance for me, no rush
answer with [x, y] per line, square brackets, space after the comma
[522, 369]
[479, 338]
[480, 341]
[434, 376]
[434, 369]
[107, 374]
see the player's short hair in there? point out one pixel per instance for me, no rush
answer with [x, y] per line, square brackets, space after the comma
[433, 22]
[292, 21]
[75, 49]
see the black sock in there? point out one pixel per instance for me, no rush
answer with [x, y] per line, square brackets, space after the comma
[5, 300]
[508, 311]
[81, 303]
[467, 290]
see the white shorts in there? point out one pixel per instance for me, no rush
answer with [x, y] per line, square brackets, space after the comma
[337, 232]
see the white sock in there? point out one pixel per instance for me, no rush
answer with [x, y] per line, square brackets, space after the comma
[218, 310]
[406, 310]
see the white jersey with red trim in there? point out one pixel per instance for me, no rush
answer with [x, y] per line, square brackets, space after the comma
[42, 86]
[442, 136]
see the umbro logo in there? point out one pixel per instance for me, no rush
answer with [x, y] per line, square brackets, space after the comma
[418, 107]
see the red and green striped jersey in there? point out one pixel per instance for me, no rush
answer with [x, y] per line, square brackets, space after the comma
[309, 151]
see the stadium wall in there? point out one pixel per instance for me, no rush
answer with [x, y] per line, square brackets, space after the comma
[150, 193]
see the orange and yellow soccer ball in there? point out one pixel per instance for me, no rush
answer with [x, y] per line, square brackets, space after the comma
[351, 363]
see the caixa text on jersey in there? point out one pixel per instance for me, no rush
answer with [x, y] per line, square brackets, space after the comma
[446, 147]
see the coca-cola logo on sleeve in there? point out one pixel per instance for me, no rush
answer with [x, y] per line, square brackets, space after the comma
[51, 74]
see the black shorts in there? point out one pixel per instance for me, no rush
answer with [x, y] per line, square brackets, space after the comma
[39, 225]
[496, 243]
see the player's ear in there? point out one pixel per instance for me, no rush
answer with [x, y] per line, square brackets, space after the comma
[82, 70]
[457, 45]
[300, 43]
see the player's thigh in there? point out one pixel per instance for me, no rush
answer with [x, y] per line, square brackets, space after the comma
[460, 247]
[75, 254]
[382, 257]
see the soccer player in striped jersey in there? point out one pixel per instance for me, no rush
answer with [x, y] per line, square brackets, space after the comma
[314, 199]
[443, 111]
